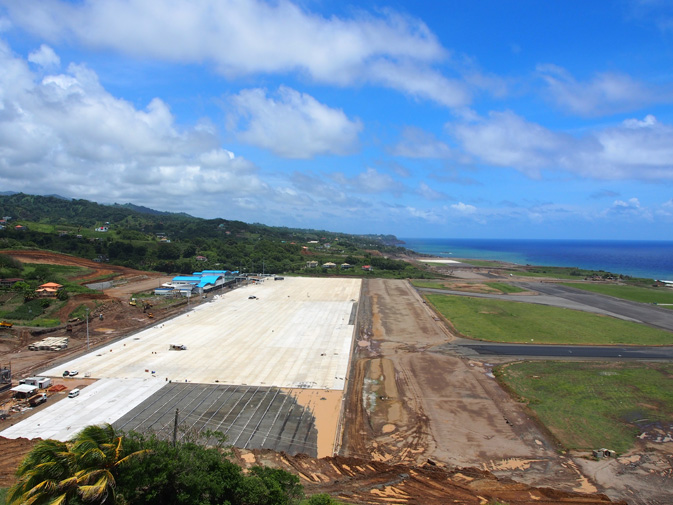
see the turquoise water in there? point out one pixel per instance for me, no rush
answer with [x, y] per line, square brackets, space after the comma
[649, 259]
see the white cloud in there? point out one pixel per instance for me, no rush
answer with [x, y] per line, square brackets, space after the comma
[634, 149]
[505, 139]
[606, 93]
[464, 208]
[429, 193]
[416, 143]
[630, 208]
[370, 181]
[293, 124]
[65, 134]
[45, 57]
[244, 37]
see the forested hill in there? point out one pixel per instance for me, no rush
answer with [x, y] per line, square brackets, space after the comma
[143, 238]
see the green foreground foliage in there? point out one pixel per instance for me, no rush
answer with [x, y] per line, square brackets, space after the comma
[658, 295]
[103, 467]
[593, 405]
[503, 321]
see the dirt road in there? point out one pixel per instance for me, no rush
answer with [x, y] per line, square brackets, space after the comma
[409, 402]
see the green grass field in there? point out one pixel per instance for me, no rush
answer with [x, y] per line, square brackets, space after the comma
[593, 405]
[502, 321]
[633, 293]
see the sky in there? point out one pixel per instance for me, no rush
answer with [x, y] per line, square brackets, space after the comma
[438, 118]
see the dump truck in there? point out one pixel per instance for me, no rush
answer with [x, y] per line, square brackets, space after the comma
[5, 324]
[35, 400]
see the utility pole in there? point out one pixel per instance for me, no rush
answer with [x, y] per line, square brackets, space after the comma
[87, 328]
[175, 428]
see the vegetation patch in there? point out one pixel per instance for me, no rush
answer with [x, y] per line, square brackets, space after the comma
[593, 405]
[633, 293]
[503, 321]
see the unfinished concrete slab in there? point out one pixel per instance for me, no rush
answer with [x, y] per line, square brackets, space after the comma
[104, 401]
[250, 417]
[294, 333]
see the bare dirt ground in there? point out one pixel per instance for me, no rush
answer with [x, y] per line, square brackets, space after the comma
[119, 318]
[409, 403]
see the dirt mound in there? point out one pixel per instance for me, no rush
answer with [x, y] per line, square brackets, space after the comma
[361, 481]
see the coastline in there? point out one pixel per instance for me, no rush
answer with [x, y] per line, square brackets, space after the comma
[640, 259]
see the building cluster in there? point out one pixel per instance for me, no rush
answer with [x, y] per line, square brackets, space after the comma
[198, 282]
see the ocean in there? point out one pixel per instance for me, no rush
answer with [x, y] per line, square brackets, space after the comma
[648, 259]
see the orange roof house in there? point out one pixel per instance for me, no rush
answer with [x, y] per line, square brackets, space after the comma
[48, 289]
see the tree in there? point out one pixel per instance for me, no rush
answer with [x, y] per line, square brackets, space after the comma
[84, 470]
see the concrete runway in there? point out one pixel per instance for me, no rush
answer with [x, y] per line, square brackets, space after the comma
[295, 333]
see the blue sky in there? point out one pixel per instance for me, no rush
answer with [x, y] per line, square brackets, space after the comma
[480, 118]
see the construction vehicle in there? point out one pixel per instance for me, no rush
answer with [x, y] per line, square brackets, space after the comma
[5, 324]
[146, 305]
[35, 400]
[132, 302]
[150, 315]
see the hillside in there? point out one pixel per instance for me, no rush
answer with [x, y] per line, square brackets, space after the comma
[138, 237]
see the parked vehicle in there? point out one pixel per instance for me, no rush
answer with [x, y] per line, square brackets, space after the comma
[66, 373]
[73, 373]
[73, 393]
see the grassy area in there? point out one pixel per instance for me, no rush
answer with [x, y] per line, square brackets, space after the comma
[502, 321]
[593, 405]
[482, 263]
[503, 287]
[633, 293]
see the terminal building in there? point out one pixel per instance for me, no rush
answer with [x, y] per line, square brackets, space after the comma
[198, 282]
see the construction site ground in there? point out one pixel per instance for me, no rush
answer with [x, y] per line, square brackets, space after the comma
[420, 426]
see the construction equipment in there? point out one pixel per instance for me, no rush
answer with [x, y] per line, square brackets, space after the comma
[146, 305]
[5, 324]
[150, 315]
[35, 400]
[132, 302]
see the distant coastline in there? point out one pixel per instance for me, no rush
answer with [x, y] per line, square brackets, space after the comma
[636, 258]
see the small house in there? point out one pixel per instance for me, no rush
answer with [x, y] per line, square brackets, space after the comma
[49, 289]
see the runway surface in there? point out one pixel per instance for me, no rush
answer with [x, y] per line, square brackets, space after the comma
[293, 333]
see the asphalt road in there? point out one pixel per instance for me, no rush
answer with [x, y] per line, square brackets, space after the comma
[563, 351]
[652, 315]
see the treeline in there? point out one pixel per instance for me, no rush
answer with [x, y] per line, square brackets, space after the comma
[177, 243]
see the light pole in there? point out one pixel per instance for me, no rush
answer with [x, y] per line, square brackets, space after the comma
[87, 328]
